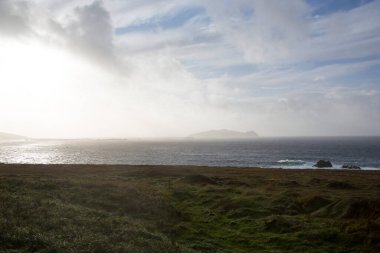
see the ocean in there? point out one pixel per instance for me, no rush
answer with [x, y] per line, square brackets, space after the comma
[295, 153]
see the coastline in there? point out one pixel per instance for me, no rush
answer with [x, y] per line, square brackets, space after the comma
[173, 166]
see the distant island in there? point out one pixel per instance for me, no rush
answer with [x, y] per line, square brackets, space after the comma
[11, 137]
[224, 134]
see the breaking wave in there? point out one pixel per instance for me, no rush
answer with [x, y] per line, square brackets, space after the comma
[291, 162]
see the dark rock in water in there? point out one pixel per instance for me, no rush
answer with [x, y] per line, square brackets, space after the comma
[351, 167]
[323, 164]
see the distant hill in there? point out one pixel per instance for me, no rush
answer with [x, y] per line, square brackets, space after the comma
[11, 137]
[224, 134]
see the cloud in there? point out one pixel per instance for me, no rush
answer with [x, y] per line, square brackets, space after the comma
[270, 66]
[340, 111]
[264, 31]
[91, 30]
[87, 30]
[143, 11]
[13, 17]
[317, 112]
[271, 32]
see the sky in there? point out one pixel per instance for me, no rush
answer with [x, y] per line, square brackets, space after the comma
[166, 68]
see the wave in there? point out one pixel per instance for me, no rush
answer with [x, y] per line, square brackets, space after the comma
[300, 164]
[289, 161]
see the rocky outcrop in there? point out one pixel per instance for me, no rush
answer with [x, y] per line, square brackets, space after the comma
[323, 164]
[351, 167]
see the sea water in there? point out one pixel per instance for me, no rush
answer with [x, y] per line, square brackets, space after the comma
[261, 152]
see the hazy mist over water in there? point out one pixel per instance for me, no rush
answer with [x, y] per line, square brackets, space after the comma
[261, 152]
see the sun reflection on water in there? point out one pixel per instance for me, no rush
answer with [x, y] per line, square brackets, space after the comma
[29, 152]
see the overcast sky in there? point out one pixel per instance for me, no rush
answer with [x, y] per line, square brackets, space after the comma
[155, 68]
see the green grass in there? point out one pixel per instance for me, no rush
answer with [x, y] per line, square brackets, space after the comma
[84, 208]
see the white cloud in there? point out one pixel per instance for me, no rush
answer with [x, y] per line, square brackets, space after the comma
[286, 32]
[272, 32]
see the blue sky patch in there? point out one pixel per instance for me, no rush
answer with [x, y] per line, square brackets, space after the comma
[325, 7]
[172, 21]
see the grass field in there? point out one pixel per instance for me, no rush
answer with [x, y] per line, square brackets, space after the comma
[89, 208]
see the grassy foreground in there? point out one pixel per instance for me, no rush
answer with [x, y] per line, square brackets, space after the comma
[88, 208]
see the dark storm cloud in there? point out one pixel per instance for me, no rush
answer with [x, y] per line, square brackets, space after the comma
[91, 31]
[88, 32]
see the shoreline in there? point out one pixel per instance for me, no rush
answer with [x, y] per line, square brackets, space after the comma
[179, 168]
[288, 168]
